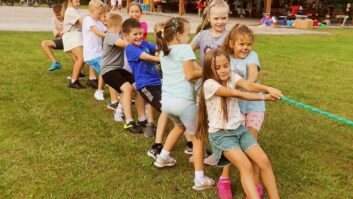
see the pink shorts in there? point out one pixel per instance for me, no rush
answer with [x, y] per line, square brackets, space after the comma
[254, 120]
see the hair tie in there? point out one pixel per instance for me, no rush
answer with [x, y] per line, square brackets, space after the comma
[175, 25]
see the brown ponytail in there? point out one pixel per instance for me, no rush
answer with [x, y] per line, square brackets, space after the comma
[172, 27]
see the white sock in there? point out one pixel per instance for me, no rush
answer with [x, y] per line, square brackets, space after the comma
[164, 154]
[130, 120]
[120, 108]
[199, 176]
[143, 118]
[92, 78]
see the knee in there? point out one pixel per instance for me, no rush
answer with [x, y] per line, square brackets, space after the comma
[245, 167]
[44, 44]
[264, 162]
[127, 88]
[180, 128]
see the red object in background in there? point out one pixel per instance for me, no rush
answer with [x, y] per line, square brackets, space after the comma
[294, 10]
[199, 5]
[316, 23]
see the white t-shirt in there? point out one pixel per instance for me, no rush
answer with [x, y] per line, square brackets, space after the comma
[214, 110]
[71, 18]
[92, 44]
[174, 82]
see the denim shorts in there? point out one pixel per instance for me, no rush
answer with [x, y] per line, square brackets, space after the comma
[181, 111]
[95, 63]
[225, 140]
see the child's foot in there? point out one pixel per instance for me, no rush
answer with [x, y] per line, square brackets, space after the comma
[142, 123]
[259, 191]
[80, 76]
[55, 66]
[166, 162]
[76, 85]
[150, 130]
[118, 116]
[188, 148]
[205, 184]
[154, 151]
[132, 128]
[224, 189]
[112, 106]
[99, 95]
[93, 83]
[210, 160]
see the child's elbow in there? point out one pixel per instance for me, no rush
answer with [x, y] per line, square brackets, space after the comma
[189, 77]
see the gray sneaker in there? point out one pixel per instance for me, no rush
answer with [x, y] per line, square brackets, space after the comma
[150, 130]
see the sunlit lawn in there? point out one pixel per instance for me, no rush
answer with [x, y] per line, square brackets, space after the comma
[57, 142]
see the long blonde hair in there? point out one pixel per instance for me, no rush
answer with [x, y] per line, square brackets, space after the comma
[205, 23]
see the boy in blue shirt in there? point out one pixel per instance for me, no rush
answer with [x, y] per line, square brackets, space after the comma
[140, 55]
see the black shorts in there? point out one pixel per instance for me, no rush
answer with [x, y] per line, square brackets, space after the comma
[116, 78]
[152, 95]
[58, 44]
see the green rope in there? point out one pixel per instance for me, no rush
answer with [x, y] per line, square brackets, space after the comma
[323, 113]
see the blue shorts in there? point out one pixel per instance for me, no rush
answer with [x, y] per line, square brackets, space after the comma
[95, 63]
[225, 140]
[147, 7]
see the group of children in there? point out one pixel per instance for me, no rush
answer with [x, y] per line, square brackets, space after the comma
[226, 104]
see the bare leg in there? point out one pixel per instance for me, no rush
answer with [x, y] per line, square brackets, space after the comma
[125, 101]
[198, 153]
[47, 46]
[161, 125]
[92, 74]
[255, 134]
[173, 137]
[78, 53]
[100, 83]
[226, 172]
[257, 155]
[243, 164]
[113, 95]
[150, 116]
[140, 105]
[187, 137]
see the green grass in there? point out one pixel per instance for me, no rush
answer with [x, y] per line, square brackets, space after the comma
[57, 142]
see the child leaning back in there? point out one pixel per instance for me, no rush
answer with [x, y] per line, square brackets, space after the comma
[220, 119]
[93, 33]
[178, 101]
[113, 72]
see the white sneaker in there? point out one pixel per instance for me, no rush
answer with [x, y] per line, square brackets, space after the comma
[99, 95]
[205, 184]
[118, 116]
[167, 162]
[210, 160]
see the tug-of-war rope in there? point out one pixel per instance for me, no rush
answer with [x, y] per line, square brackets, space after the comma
[313, 109]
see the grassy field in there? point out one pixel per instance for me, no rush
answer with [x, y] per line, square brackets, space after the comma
[57, 142]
